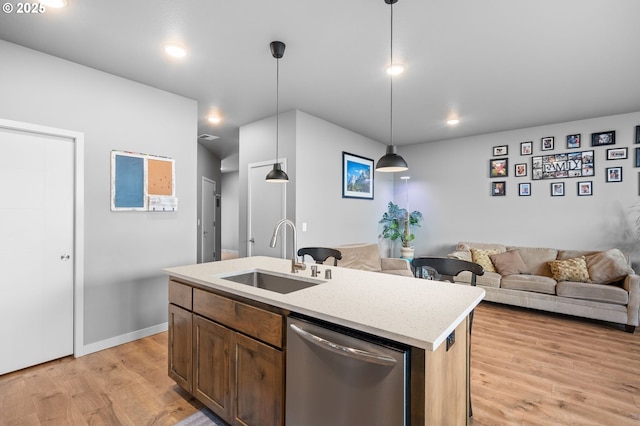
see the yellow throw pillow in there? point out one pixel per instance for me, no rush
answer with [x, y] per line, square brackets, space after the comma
[570, 270]
[481, 257]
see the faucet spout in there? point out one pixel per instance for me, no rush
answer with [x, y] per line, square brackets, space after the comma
[295, 264]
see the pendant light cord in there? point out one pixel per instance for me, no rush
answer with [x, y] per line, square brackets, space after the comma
[391, 81]
[277, 105]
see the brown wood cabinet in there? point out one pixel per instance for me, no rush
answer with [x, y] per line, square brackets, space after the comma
[233, 359]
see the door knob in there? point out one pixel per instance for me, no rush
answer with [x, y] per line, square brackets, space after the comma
[252, 240]
[65, 257]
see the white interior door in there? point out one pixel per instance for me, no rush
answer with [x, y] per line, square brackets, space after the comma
[36, 248]
[267, 204]
[208, 249]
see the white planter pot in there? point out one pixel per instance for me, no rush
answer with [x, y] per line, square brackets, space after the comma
[406, 253]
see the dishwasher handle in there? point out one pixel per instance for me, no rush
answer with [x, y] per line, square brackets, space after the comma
[343, 350]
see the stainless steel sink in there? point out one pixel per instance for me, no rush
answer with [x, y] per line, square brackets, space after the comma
[272, 281]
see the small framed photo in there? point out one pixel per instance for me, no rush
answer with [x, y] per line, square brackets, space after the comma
[603, 138]
[573, 141]
[557, 189]
[521, 169]
[637, 157]
[637, 134]
[616, 153]
[357, 176]
[499, 167]
[524, 189]
[614, 174]
[547, 143]
[499, 189]
[585, 188]
[500, 150]
[526, 148]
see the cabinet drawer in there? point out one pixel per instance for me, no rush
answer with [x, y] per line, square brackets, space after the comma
[259, 323]
[180, 294]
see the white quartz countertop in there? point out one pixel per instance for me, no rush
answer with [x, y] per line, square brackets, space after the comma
[417, 312]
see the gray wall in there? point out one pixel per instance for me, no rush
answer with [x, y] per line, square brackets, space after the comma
[450, 185]
[257, 144]
[125, 290]
[332, 220]
[209, 167]
[313, 148]
[230, 204]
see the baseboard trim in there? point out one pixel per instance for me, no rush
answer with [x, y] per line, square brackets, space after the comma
[124, 338]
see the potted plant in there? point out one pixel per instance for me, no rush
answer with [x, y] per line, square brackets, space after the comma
[398, 224]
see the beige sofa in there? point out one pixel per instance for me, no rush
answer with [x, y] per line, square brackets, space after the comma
[592, 284]
[366, 257]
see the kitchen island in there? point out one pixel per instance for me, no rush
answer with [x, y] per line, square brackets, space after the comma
[228, 339]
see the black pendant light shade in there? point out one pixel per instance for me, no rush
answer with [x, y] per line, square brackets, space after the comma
[391, 162]
[277, 175]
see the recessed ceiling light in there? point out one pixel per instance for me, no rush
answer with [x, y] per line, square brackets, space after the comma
[453, 121]
[395, 69]
[215, 119]
[175, 50]
[54, 3]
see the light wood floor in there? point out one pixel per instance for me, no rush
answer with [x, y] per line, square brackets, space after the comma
[528, 368]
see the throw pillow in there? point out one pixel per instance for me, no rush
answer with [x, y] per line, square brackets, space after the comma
[481, 257]
[570, 270]
[607, 267]
[509, 263]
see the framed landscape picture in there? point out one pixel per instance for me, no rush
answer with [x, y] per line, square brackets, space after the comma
[357, 176]
[526, 148]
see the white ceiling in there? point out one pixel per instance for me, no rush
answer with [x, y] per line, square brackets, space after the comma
[497, 64]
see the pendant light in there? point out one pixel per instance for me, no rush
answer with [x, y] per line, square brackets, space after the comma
[391, 161]
[277, 175]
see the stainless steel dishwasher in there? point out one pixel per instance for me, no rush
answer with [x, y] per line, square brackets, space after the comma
[338, 377]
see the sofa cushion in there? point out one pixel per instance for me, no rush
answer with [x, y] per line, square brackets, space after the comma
[402, 272]
[570, 269]
[607, 267]
[488, 279]
[461, 254]
[535, 283]
[509, 263]
[481, 257]
[536, 259]
[590, 291]
[365, 257]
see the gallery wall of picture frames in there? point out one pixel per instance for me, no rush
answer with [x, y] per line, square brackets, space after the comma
[539, 162]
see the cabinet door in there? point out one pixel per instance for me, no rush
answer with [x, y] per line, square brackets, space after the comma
[180, 346]
[258, 384]
[211, 365]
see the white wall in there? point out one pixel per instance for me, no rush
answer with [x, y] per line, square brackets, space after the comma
[450, 185]
[125, 290]
[332, 220]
